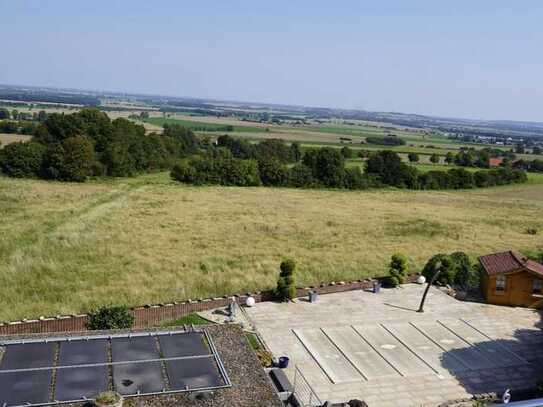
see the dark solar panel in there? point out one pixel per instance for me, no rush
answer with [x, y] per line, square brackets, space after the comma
[18, 388]
[83, 352]
[29, 355]
[189, 344]
[193, 373]
[137, 348]
[143, 377]
[78, 382]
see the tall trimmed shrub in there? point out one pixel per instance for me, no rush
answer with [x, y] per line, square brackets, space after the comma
[398, 269]
[286, 284]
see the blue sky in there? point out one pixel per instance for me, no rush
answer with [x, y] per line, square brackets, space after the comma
[476, 59]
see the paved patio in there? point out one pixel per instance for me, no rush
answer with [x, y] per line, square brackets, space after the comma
[377, 348]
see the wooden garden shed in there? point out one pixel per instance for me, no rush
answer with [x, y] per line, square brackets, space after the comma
[510, 278]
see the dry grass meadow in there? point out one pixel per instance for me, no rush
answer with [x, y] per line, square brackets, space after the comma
[65, 248]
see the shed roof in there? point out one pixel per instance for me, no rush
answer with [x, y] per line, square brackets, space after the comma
[508, 262]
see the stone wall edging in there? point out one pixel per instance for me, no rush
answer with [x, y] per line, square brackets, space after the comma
[153, 314]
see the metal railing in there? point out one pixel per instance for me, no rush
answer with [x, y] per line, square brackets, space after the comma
[303, 392]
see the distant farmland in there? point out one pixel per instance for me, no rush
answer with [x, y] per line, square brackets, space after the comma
[6, 139]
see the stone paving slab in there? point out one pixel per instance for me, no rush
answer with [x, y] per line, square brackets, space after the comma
[499, 354]
[455, 345]
[360, 353]
[327, 355]
[397, 354]
[425, 349]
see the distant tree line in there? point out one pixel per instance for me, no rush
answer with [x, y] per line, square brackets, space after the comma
[481, 158]
[527, 165]
[386, 140]
[87, 143]
[48, 96]
[274, 163]
[18, 127]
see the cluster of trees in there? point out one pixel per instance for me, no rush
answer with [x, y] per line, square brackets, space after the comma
[268, 149]
[533, 166]
[270, 163]
[18, 127]
[87, 143]
[415, 158]
[389, 169]
[386, 140]
[274, 163]
[5, 114]
[481, 158]
[459, 178]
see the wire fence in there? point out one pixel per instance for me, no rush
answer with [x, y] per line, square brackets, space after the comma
[304, 393]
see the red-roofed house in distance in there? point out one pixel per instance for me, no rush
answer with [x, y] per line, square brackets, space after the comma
[495, 161]
[510, 278]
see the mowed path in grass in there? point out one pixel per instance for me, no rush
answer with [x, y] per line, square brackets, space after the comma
[66, 248]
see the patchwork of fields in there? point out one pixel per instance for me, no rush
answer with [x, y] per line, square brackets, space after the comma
[66, 248]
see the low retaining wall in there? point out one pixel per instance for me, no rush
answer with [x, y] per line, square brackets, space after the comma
[152, 315]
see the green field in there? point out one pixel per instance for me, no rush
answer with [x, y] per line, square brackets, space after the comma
[66, 248]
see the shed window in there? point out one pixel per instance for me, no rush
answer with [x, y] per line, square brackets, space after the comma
[500, 283]
[538, 285]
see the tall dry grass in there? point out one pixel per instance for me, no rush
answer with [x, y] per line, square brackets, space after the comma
[65, 248]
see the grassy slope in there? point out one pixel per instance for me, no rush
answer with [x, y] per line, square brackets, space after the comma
[68, 247]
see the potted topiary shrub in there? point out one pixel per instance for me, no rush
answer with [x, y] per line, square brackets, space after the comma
[108, 399]
[286, 284]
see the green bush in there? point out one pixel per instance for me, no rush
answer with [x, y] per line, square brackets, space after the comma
[287, 267]
[386, 141]
[70, 160]
[118, 317]
[300, 176]
[346, 152]
[465, 276]
[217, 170]
[354, 179]
[327, 166]
[273, 172]
[413, 157]
[398, 269]
[22, 160]
[388, 167]
[440, 263]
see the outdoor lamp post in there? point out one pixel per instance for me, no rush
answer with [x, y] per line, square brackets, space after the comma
[421, 307]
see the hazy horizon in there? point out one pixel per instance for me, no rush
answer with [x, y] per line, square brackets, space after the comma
[476, 61]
